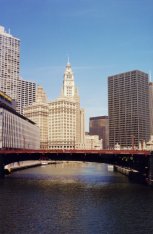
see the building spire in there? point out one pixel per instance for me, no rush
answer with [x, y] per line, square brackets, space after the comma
[68, 60]
[68, 82]
[150, 76]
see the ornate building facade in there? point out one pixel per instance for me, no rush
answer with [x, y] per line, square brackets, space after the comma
[38, 113]
[66, 118]
[61, 122]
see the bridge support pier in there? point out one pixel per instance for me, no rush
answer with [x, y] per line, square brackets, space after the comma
[2, 171]
[150, 173]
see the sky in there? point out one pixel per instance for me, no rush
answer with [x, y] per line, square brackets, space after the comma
[100, 37]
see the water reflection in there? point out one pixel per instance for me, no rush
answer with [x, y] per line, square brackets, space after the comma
[74, 198]
[73, 172]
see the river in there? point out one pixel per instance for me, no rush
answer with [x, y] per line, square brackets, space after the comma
[74, 198]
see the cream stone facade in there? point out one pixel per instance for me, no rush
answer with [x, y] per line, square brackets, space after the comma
[66, 119]
[38, 113]
[61, 122]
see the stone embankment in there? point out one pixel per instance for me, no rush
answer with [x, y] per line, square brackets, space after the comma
[26, 164]
[21, 165]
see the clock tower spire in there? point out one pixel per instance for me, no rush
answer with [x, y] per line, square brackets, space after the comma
[68, 82]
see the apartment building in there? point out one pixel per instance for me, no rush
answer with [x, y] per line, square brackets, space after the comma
[26, 94]
[128, 104]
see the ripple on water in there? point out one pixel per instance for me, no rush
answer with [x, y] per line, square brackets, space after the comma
[74, 199]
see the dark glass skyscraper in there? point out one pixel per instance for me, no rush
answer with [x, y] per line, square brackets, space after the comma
[128, 104]
[99, 125]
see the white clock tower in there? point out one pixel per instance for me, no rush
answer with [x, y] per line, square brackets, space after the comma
[68, 82]
[66, 118]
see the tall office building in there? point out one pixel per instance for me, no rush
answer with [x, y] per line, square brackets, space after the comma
[128, 103]
[66, 118]
[9, 63]
[26, 94]
[23, 92]
[151, 106]
[100, 126]
[38, 113]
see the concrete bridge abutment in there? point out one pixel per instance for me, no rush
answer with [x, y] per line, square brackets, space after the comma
[150, 171]
[2, 171]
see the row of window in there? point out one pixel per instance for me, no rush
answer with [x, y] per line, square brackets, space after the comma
[17, 132]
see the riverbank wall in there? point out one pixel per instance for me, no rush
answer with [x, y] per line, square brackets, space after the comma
[25, 165]
[20, 166]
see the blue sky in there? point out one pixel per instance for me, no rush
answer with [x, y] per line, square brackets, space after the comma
[101, 37]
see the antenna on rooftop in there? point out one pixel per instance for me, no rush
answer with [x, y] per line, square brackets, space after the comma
[68, 59]
[150, 76]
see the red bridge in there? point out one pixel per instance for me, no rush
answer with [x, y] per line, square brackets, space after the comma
[140, 160]
[75, 151]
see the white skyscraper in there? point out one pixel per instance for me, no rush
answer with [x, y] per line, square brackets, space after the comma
[61, 122]
[22, 91]
[9, 63]
[66, 119]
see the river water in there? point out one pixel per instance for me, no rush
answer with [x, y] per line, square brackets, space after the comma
[69, 197]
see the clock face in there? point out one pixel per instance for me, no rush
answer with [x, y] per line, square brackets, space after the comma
[68, 83]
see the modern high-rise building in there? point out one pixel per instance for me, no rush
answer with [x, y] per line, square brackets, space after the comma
[9, 63]
[22, 91]
[100, 126]
[151, 106]
[26, 94]
[38, 113]
[128, 104]
[66, 118]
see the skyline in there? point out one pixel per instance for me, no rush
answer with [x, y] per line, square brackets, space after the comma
[101, 38]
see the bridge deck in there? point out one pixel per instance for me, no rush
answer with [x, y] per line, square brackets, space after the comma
[75, 151]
